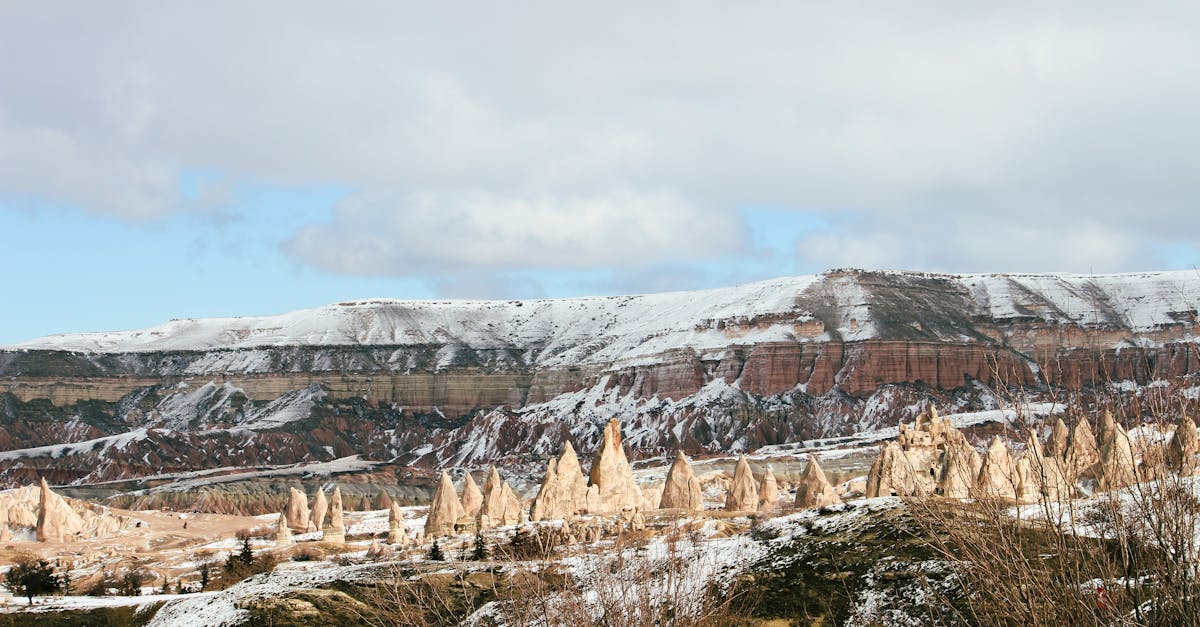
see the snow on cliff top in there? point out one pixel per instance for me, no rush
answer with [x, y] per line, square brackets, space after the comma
[629, 328]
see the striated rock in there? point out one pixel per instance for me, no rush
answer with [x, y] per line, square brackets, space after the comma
[564, 488]
[445, 510]
[913, 463]
[5, 534]
[1182, 449]
[814, 490]
[768, 492]
[320, 510]
[283, 532]
[682, 489]
[472, 498]
[500, 506]
[335, 531]
[997, 474]
[1082, 452]
[743, 494]
[1056, 446]
[66, 518]
[1117, 467]
[611, 487]
[297, 510]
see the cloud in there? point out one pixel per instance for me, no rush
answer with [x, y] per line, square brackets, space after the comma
[428, 232]
[547, 135]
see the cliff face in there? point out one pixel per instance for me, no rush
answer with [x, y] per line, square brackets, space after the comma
[460, 382]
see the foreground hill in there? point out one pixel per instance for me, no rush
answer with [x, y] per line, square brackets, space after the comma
[423, 384]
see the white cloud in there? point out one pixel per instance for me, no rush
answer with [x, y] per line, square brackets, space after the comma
[551, 135]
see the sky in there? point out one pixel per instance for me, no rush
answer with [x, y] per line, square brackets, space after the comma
[195, 159]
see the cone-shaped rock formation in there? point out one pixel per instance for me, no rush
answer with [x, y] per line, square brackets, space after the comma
[814, 489]
[500, 505]
[297, 510]
[682, 489]
[743, 493]
[1183, 448]
[445, 510]
[768, 492]
[397, 530]
[1117, 467]
[335, 531]
[997, 474]
[320, 510]
[472, 498]
[283, 533]
[611, 487]
[1056, 446]
[1082, 452]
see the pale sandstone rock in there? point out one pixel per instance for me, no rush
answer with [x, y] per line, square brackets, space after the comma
[397, 530]
[1042, 475]
[283, 532]
[445, 510]
[297, 510]
[500, 505]
[335, 531]
[56, 522]
[1117, 467]
[564, 488]
[320, 510]
[472, 498]
[611, 487]
[637, 522]
[743, 494]
[814, 489]
[768, 492]
[5, 534]
[1082, 452]
[997, 474]
[913, 463]
[960, 469]
[1056, 446]
[1182, 449]
[682, 488]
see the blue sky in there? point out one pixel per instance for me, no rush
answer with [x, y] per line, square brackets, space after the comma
[166, 160]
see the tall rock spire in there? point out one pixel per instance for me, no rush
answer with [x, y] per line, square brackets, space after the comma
[814, 489]
[445, 510]
[472, 498]
[743, 494]
[768, 492]
[612, 488]
[320, 509]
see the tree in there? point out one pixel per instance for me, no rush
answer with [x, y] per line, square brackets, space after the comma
[205, 576]
[435, 553]
[131, 583]
[31, 576]
[480, 552]
[246, 555]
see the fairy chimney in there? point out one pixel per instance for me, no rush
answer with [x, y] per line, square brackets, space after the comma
[997, 474]
[320, 509]
[960, 469]
[611, 487]
[743, 494]
[56, 521]
[283, 534]
[814, 490]
[472, 498]
[297, 510]
[564, 488]
[1082, 452]
[1183, 447]
[1056, 446]
[682, 488]
[1117, 467]
[768, 492]
[500, 505]
[397, 531]
[445, 510]
[335, 531]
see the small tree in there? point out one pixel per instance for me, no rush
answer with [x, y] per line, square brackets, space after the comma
[131, 583]
[205, 576]
[435, 553]
[31, 576]
[480, 552]
[246, 555]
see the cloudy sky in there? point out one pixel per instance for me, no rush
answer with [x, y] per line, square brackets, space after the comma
[183, 159]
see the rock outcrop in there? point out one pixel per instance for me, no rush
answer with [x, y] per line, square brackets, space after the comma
[997, 474]
[297, 510]
[1082, 453]
[445, 510]
[1117, 467]
[1183, 448]
[913, 463]
[682, 488]
[56, 521]
[472, 498]
[397, 530]
[283, 532]
[320, 510]
[564, 488]
[960, 469]
[1056, 445]
[743, 493]
[814, 489]
[1041, 475]
[768, 492]
[611, 487]
[335, 531]
[500, 506]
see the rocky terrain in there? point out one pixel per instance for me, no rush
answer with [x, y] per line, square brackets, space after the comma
[419, 386]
